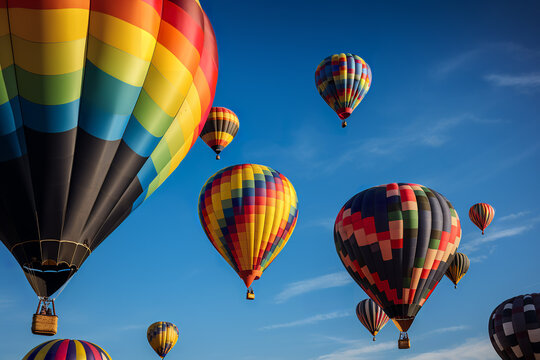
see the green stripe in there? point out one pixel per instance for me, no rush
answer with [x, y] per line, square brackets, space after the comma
[8, 89]
[151, 116]
[49, 89]
[161, 156]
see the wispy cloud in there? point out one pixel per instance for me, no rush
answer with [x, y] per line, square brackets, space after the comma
[356, 352]
[473, 349]
[524, 80]
[514, 216]
[476, 243]
[449, 329]
[132, 327]
[6, 302]
[310, 320]
[327, 223]
[321, 282]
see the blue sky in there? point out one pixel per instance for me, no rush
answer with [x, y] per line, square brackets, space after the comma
[453, 106]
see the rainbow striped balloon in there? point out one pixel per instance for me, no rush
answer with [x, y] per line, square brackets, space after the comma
[481, 215]
[371, 316]
[99, 103]
[248, 212]
[67, 350]
[162, 336]
[342, 81]
[220, 129]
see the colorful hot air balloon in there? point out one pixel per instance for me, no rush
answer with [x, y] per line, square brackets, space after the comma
[514, 328]
[220, 129]
[481, 215]
[371, 316]
[343, 80]
[162, 336]
[99, 102]
[396, 241]
[458, 268]
[67, 350]
[248, 212]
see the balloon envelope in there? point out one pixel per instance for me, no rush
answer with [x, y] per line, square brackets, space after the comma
[99, 102]
[220, 129]
[458, 268]
[67, 350]
[514, 328]
[342, 81]
[248, 212]
[162, 336]
[371, 316]
[396, 241]
[481, 215]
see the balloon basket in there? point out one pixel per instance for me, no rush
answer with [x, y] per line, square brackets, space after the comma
[250, 295]
[403, 341]
[44, 324]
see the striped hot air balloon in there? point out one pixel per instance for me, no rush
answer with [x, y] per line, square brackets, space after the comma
[248, 212]
[342, 81]
[220, 129]
[99, 102]
[67, 350]
[162, 336]
[458, 268]
[396, 241]
[371, 316]
[514, 328]
[481, 215]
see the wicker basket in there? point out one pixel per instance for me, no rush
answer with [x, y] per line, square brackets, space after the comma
[250, 296]
[404, 344]
[44, 324]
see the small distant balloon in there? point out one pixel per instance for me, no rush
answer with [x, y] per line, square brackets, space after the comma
[481, 215]
[220, 129]
[458, 268]
[342, 81]
[371, 316]
[162, 336]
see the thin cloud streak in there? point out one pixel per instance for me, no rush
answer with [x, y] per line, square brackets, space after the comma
[525, 80]
[305, 286]
[308, 321]
[514, 216]
[356, 352]
[473, 349]
[475, 244]
[449, 329]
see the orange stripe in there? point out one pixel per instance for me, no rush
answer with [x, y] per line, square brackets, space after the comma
[177, 44]
[49, 4]
[136, 12]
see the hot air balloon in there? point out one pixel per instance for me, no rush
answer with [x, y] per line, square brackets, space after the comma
[481, 215]
[371, 316]
[397, 241]
[514, 328]
[248, 212]
[99, 102]
[220, 129]
[162, 336]
[458, 268]
[67, 350]
[342, 81]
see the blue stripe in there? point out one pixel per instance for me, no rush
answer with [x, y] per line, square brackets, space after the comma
[12, 145]
[147, 174]
[107, 103]
[139, 200]
[50, 118]
[139, 139]
[10, 116]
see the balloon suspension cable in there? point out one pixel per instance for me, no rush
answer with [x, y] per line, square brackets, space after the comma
[374, 338]
[482, 232]
[455, 286]
[217, 157]
[343, 124]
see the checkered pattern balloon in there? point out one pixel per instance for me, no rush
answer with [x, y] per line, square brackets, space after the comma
[371, 316]
[162, 336]
[397, 241]
[458, 268]
[248, 212]
[220, 129]
[67, 350]
[342, 81]
[514, 328]
[481, 215]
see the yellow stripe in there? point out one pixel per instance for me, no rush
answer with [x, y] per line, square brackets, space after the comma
[122, 35]
[4, 27]
[43, 352]
[6, 56]
[166, 95]
[49, 58]
[80, 352]
[119, 64]
[172, 69]
[53, 25]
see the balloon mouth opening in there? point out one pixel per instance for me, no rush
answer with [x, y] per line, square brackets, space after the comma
[345, 113]
[403, 323]
[249, 276]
